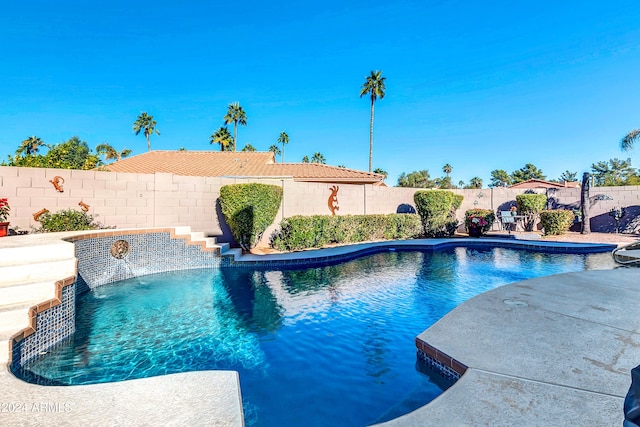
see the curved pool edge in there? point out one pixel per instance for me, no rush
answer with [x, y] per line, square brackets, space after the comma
[120, 398]
[545, 351]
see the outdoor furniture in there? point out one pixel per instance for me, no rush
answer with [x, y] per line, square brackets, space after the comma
[508, 220]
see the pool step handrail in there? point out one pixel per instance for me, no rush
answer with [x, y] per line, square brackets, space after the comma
[627, 254]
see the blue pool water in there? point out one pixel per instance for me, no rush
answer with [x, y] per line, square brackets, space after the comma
[314, 347]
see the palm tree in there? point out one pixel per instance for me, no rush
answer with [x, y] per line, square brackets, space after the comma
[248, 147]
[475, 182]
[305, 159]
[629, 139]
[275, 150]
[283, 139]
[236, 115]
[111, 153]
[447, 170]
[30, 146]
[374, 85]
[222, 137]
[381, 172]
[146, 123]
[318, 158]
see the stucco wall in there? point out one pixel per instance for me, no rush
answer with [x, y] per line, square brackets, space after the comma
[163, 200]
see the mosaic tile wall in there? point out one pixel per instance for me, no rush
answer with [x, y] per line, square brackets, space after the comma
[439, 367]
[148, 253]
[52, 325]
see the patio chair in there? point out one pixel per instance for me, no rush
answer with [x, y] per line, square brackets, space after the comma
[507, 220]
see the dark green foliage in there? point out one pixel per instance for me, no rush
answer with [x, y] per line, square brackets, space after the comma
[416, 179]
[531, 205]
[302, 232]
[73, 154]
[249, 209]
[437, 210]
[68, 220]
[556, 221]
[487, 216]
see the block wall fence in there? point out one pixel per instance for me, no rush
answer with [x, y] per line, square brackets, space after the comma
[127, 200]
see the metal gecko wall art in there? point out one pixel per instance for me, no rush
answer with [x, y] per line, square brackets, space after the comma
[333, 200]
[85, 207]
[57, 182]
[37, 215]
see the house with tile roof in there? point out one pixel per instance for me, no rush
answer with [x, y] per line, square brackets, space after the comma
[541, 183]
[239, 164]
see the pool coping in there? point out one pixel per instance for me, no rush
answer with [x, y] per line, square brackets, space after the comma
[311, 257]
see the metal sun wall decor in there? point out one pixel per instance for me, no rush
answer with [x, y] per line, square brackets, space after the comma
[57, 182]
[333, 200]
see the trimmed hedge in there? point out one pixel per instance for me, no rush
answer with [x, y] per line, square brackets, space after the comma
[486, 214]
[531, 205]
[67, 220]
[556, 221]
[437, 210]
[302, 232]
[249, 209]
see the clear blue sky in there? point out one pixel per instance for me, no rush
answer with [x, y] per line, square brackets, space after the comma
[479, 85]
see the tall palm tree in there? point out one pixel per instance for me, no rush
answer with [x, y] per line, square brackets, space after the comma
[447, 170]
[236, 115]
[629, 139]
[374, 86]
[475, 182]
[30, 146]
[111, 153]
[145, 123]
[284, 140]
[318, 158]
[381, 172]
[222, 137]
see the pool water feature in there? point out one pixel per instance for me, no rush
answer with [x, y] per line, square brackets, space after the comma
[331, 345]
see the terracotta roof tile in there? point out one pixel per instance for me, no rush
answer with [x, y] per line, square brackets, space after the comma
[236, 164]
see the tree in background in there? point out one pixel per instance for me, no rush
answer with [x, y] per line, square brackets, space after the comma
[305, 159]
[382, 172]
[30, 146]
[500, 178]
[374, 86]
[627, 142]
[443, 183]
[248, 147]
[72, 154]
[318, 158]
[447, 171]
[283, 139]
[236, 115]
[147, 125]
[475, 182]
[415, 179]
[529, 171]
[222, 137]
[461, 184]
[614, 172]
[275, 150]
[111, 153]
[568, 176]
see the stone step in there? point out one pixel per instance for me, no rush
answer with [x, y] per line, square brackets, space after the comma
[13, 320]
[34, 293]
[37, 272]
[26, 255]
[224, 247]
[4, 351]
[233, 252]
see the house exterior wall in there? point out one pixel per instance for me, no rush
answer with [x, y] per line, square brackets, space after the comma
[126, 200]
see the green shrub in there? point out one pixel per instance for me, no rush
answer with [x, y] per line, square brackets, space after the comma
[530, 205]
[437, 210]
[249, 209]
[302, 232]
[67, 220]
[487, 216]
[556, 221]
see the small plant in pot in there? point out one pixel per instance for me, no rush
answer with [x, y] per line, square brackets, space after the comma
[478, 221]
[4, 216]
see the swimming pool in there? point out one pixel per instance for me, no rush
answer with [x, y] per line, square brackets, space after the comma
[319, 346]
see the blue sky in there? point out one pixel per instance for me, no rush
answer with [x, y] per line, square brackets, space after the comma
[478, 85]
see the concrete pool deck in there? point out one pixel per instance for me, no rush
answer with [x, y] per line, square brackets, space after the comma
[548, 351]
